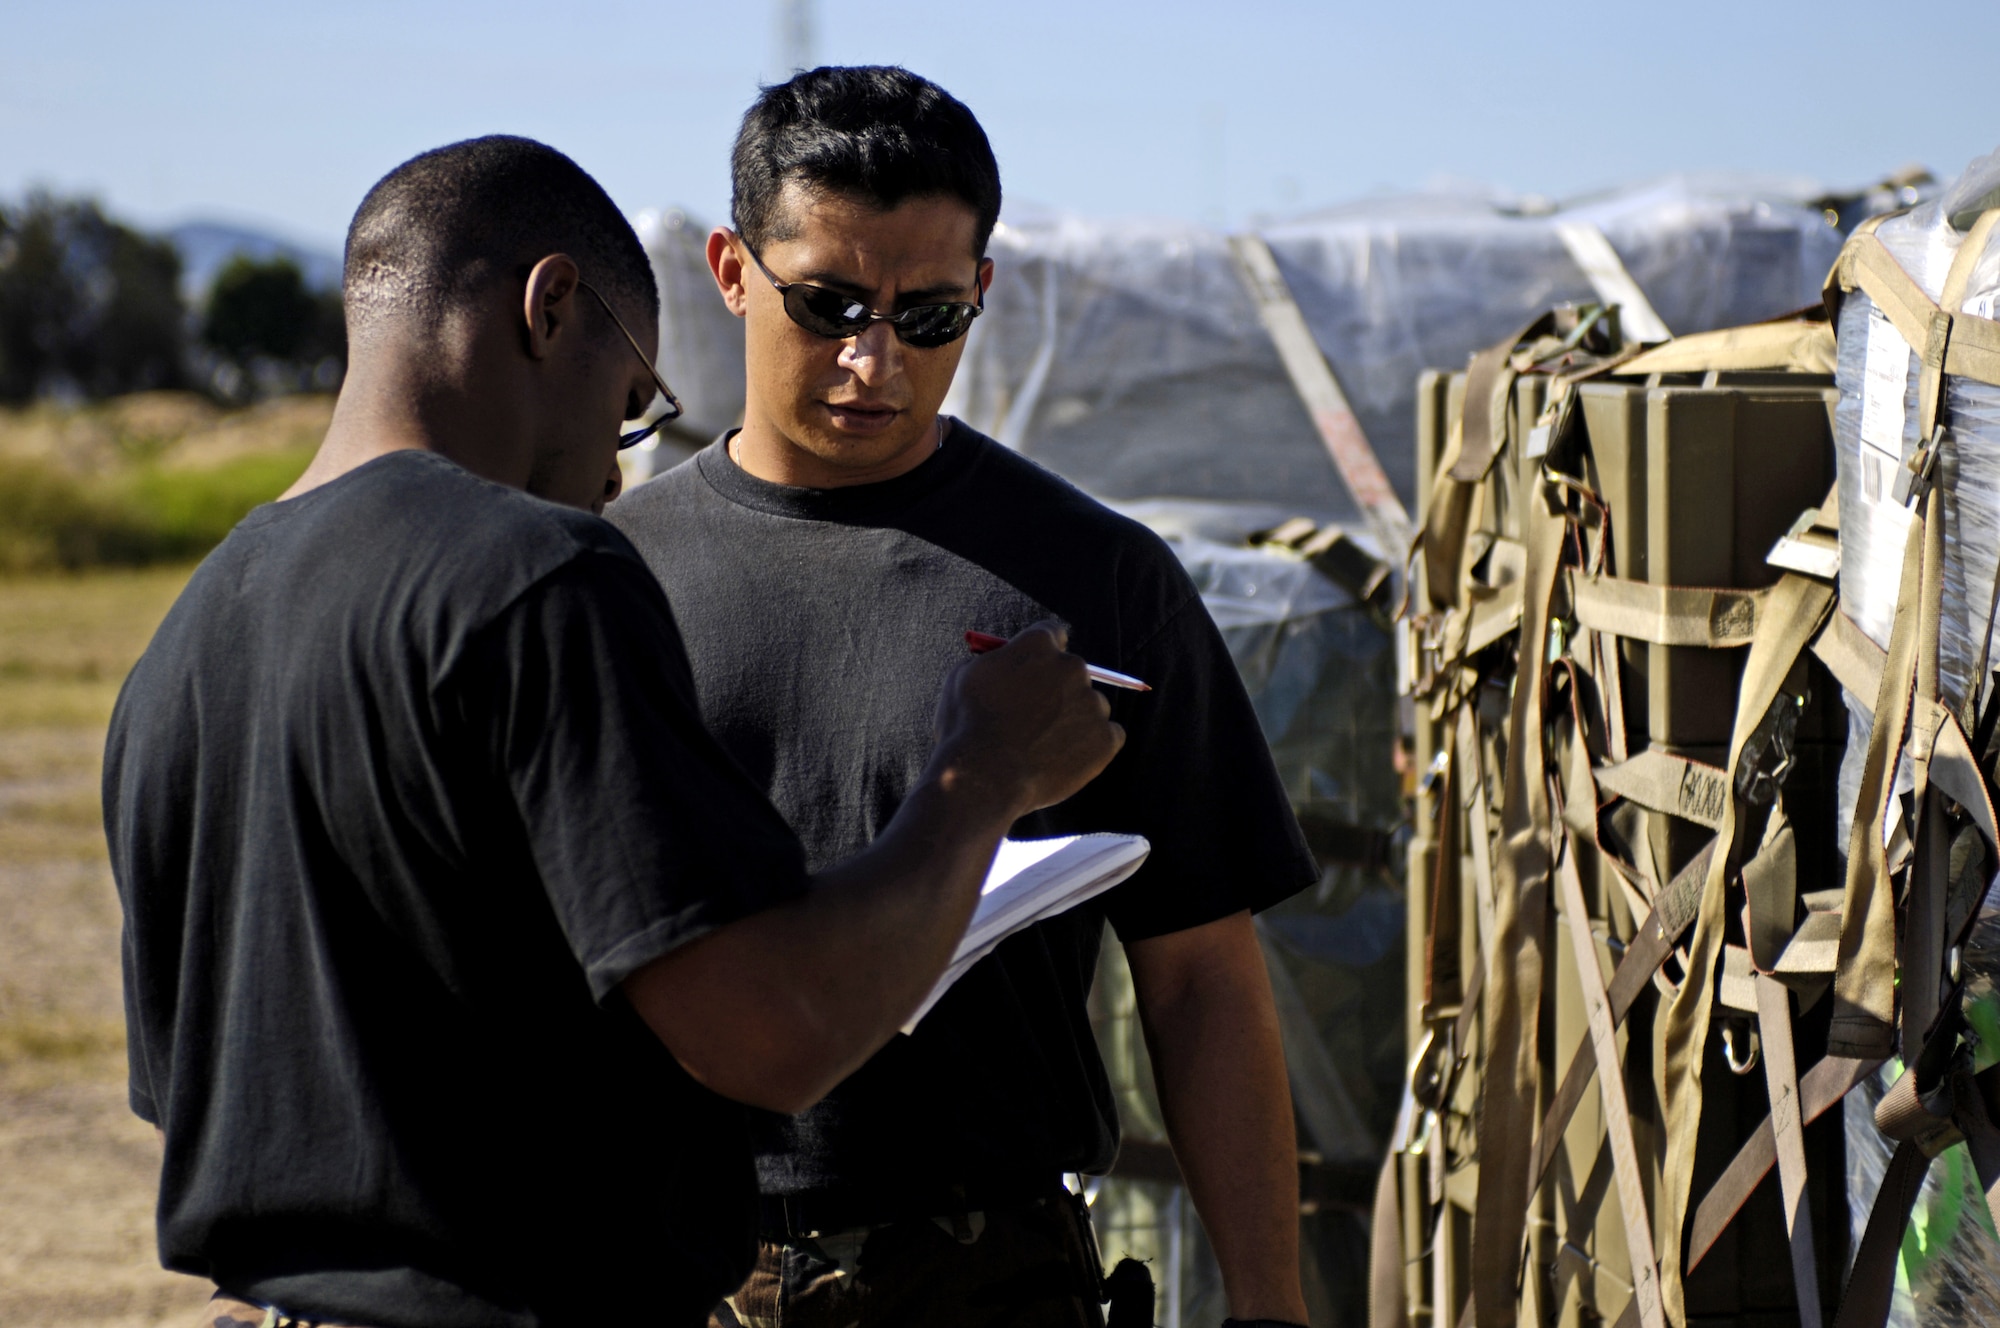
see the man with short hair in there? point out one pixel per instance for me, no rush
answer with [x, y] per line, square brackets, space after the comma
[449, 931]
[824, 561]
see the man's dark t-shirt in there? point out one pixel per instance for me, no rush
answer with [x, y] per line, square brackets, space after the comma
[408, 781]
[820, 625]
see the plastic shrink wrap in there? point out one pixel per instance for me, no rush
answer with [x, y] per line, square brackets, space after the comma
[1949, 1272]
[701, 342]
[1128, 357]
[1320, 671]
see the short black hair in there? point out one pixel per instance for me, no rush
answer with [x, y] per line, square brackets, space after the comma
[876, 132]
[444, 224]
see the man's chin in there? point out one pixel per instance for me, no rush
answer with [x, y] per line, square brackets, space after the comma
[865, 451]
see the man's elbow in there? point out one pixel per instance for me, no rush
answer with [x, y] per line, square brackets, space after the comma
[730, 1041]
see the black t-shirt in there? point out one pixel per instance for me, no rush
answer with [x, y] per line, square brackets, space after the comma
[820, 625]
[408, 781]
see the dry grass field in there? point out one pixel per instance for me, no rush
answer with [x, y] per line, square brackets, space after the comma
[77, 1170]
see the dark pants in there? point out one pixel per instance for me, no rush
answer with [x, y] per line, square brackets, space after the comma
[1026, 1266]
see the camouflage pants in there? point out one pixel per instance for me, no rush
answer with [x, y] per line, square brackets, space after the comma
[225, 1311]
[1028, 1266]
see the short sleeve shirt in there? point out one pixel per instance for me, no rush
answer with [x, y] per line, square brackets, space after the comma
[409, 780]
[820, 627]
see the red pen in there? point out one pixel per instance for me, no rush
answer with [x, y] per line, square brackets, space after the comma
[981, 642]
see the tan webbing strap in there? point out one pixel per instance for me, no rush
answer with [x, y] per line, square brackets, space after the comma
[1509, 1090]
[1823, 1087]
[1489, 382]
[1949, 340]
[1771, 892]
[1791, 346]
[1611, 1085]
[1864, 993]
[1643, 957]
[1479, 829]
[1666, 615]
[1319, 390]
[1797, 606]
[1591, 250]
[1854, 661]
[1659, 781]
[1774, 1026]
[1463, 470]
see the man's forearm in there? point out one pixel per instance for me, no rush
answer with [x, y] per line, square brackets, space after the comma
[776, 1009]
[1205, 1003]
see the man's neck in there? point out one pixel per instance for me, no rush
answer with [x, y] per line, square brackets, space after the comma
[760, 450]
[384, 408]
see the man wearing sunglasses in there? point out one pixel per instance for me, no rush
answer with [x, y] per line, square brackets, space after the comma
[825, 561]
[449, 931]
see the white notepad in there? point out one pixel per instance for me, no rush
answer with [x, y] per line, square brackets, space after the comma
[1032, 879]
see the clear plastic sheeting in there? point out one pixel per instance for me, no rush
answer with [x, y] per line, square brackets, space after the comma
[1320, 672]
[1948, 1275]
[1875, 433]
[1949, 1270]
[1128, 356]
[701, 342]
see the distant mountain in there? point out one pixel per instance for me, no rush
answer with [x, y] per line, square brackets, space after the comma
[206, 245]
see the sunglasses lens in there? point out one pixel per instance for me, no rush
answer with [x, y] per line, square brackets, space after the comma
[935, 325]
[824, 312]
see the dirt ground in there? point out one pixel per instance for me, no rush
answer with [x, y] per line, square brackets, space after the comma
[77, 1171]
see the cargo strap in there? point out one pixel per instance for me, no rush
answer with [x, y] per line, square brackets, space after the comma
[1460, 481]
[1665, 615]
[1660, 781]
[1797, 607]
[1822, 1087]
[1508, 1098]
[1792, 345]
[1313, 379]
[1603, 1041]
[1608, 276]
[1950, 341]
[1643, 958]
[1781, 1080]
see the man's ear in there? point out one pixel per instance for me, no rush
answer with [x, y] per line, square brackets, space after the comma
[549, 305]
[985, 276]
[725, 261]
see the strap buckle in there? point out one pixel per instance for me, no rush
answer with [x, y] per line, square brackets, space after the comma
[1769, 754]
[1913, 481]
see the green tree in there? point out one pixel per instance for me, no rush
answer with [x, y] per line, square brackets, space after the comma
[87, 306]
[264, 309]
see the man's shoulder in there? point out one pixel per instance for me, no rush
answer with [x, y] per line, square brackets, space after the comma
[1019, 492]
[658, 507]
[460, 527]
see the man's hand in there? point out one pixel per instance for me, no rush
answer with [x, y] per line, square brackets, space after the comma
[776, 1009]
[1023, 723]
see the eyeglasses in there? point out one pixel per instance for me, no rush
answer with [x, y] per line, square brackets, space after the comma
[673, 410]
[837, 317]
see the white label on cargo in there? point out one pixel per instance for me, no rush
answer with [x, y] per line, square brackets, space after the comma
[1884, 382]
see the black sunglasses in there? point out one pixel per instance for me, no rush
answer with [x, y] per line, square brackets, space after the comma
[837, 317]
[673, 410]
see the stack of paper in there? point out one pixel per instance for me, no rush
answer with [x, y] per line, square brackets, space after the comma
[1034, 879]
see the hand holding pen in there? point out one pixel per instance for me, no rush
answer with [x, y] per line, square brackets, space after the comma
[981, 642]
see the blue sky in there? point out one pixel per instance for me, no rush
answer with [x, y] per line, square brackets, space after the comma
[281, 116]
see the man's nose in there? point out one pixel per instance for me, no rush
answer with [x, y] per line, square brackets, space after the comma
[873, 355]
